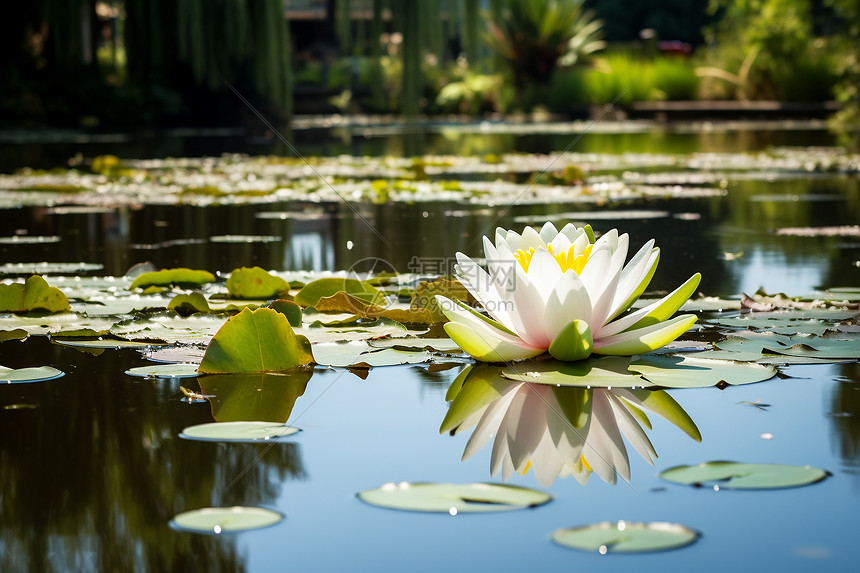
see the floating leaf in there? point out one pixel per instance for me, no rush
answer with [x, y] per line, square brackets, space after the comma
[181, 277]
[240, 432]
[188, 304]
[261, 340]
[256, 396]
[26, 375]
[605, 372]
[15, 334]
[290, 309]
[245, 239]
[735, 475]
[814, 347]
[180, 370]
[694, 372]
[453, 498]
[47, 268]
[626, 537]
[311, 293]
[217, 520]
[255, 283]
[360, 355]
[28, 240]
[425, 294]
[107, 343]
[34, 294]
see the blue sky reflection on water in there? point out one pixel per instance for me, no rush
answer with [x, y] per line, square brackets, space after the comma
[361, 434]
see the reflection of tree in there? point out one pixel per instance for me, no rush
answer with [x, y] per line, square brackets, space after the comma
[556, 431]
[93, 474]
[845, 414]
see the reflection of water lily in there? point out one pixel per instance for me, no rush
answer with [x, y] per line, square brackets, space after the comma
[564, 292]
[556, 431]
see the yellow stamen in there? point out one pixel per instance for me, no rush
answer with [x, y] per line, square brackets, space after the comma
[566, 260]
[585, 463]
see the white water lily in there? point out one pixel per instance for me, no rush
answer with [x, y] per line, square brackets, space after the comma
[563, 292]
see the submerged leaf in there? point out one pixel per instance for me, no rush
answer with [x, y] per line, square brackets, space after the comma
[261, 340]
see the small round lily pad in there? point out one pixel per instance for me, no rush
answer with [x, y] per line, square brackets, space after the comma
[626, 537]
[181, 370]
[26, 375]
[217, 520]
[237, 432]
[453, 498]
[735, 475]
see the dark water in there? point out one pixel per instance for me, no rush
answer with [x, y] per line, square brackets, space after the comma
[92, 468]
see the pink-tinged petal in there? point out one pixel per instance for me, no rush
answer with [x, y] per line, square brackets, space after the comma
[631, 430]
[644, 339]
[658, 311]
[528, 311]
[635, 277]
[596, 272]
[569, 301]
[479, 283]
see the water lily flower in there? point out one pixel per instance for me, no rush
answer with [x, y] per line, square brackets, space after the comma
[563, 292]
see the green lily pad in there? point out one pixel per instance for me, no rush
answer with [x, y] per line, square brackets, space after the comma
[799, 346]
[694, 372]
[181, 277]
[261, 340]
[44, 268]
[15, 334]
[34, 294]
[255, 283]
[291, 310]
[626, 537]
[776, 325]
[217, 520]
[359, 354]
[26, 375]
[606, 372]
[311, 293]
[257, 396]
[107, 343]
[181, 370]
[245, 239]
[188, 304]
[735, 475]
[28, 240]
[239, 432]
[453, 498]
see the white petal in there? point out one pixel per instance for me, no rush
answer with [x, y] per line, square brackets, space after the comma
[479, 283]
[596, 271]
[548, 232]
[528, 312]
[633, 274]
[567, 302]
[531, 239]
[544, 272]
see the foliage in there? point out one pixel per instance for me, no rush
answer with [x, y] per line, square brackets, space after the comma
[847, 121]
[764, 49]
[534, 37]
[255, 283]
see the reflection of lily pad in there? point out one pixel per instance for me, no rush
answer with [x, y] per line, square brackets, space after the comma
[734, 475]
[26, 375]
[216, 520]
[625, 537]
[453, 498]
[256, 396]
[256, 341]
[181, 370]
[247, 431]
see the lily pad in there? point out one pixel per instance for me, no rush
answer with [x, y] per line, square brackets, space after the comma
[240, 432]
[28, 240]
[694, 372]
[606, 372]
[14, 334]
[34, 294]
[245, 239]
[107, 343]
[311, 293]
[288, 308]
[26, 375]
[626, 537]
[255, 283]
[360, 354]
[813, 347]
[181, 277]
[453, 498]
[261, 340]
[735, 475]
[257, 396]
[217, 520]
[48, 268]
[181, 370]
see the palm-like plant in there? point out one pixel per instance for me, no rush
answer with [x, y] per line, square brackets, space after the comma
[536, 36]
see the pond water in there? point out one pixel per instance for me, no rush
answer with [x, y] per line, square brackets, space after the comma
[93, 469]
